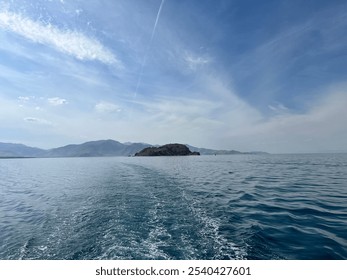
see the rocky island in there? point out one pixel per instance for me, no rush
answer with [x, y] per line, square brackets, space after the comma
[167, 150]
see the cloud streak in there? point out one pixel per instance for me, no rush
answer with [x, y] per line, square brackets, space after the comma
[66, 41]
[156, 20]
[37, 120]
[149, 45]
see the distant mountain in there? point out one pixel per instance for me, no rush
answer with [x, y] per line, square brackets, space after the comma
[19, 150]
[99, 148]
[204, 151]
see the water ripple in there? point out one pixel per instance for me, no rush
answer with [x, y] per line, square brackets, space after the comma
[211, 207]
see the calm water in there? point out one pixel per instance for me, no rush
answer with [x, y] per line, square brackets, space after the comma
[207, 207]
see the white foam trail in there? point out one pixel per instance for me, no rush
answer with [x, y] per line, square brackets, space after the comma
[149, 46]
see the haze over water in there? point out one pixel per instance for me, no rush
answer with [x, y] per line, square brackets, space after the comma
[207, 207]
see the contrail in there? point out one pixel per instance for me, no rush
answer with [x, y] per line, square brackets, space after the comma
[156, 20]
[148, 47]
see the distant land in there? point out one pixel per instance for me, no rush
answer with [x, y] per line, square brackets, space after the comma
[167, 150]
[101, 148]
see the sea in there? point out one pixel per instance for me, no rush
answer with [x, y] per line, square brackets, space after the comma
[268, 207]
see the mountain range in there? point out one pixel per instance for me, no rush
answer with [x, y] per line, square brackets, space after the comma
[101, 148]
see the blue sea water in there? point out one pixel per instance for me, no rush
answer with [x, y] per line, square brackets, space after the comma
[207, 207]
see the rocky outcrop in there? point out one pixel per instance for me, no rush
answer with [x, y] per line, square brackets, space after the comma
[167, 150]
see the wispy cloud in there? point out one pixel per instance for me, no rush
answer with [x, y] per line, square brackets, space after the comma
[57, 101]
[24, 98]
[66, 41]
[195, 61]
[322, 128]
[278, 108]
[106, 107]
[37, 120]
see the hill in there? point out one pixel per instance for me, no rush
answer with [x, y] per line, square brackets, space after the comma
[19, 150]
[99, 148]
[167, 150]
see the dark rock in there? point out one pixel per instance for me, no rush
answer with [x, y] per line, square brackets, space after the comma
[167, 150]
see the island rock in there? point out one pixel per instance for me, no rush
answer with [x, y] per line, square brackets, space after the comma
[167, 150]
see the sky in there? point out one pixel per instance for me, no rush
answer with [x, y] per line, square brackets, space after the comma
[225, 74]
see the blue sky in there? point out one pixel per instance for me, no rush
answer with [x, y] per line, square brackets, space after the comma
[245, 75]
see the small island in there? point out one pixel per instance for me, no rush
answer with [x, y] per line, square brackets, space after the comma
[167, 150]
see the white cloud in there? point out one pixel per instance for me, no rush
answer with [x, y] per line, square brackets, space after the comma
[278, 108]
[194, 61]
[37, 120]
[56, 101]
[321, 129]
[25, 98]
[66, 41]
[107, 107]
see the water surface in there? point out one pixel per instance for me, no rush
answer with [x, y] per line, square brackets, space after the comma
[207, 207]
